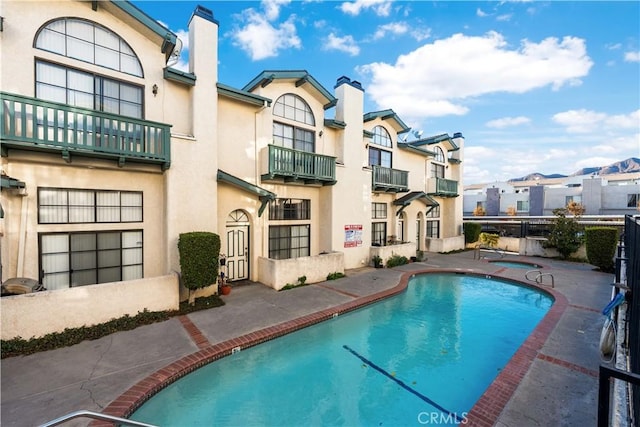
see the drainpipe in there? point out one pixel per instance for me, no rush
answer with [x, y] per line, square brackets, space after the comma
[23, 231]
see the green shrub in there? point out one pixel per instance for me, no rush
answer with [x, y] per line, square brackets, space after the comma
[601, 245]
[199, 252]
[565, 234]
[397, 260]
[471, 231]
[334, 276]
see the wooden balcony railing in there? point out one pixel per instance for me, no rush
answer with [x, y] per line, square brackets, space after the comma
[390, 180]
[31, 123]
[442, 187]
[299, 166]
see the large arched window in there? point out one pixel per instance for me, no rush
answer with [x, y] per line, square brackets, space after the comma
[437, 165]
[379, 156]
[292, 107]
[439, 154]
[88, 42]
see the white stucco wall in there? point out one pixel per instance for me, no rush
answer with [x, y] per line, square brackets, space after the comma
[278, 273]
[40, 313]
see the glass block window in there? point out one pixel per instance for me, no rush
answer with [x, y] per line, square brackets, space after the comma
[88, 42]
[72, 206]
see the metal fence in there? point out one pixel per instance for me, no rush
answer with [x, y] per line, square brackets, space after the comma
[538, 226]
[632, 255]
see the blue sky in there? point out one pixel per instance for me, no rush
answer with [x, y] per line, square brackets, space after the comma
[534, 86]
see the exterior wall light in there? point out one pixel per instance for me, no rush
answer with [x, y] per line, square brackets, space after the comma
[154, 89]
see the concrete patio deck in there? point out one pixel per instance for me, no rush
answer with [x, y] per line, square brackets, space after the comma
[558, 385]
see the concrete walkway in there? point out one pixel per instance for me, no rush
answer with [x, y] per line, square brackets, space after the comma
[559, 387]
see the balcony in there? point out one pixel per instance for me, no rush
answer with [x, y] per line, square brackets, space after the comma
[34, 124]
[389, 180]
[442, 187]
[300, 167]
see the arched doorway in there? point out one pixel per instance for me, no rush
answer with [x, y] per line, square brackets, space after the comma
[237, 245]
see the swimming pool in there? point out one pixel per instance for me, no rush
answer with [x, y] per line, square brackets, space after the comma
[430, 351]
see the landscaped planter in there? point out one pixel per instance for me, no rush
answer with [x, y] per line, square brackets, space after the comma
[385, 252]
[277, 273]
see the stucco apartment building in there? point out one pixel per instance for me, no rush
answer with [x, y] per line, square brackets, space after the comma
[109, 154]
[611, 194]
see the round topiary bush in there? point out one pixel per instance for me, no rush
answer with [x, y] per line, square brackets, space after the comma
[600, 243]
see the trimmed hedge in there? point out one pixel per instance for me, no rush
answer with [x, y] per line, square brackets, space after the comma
[471, 231]
[199, 252]
[600, 243]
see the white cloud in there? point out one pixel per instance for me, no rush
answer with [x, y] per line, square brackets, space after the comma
[261, 38]
[632, 56]
[504, 18]
[507, 122]
[480, 13]
[343, 44]
[397, 28]
[587, 121]
[379, 7]
[421, 33]
[452, 70]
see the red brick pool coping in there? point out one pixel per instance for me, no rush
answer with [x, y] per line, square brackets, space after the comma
[484, 413]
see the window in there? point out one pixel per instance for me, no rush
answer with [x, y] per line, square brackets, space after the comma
[434, 212]
[378, 156]
[81, 89]
[569, 199]
[71, 206]
[290, 209]
[522, 205]
[378, 210]
[433, 229]
[88, 42]
[439, 154]
[77, 259]
[378, 233]
[289, 241]
[293, 107]
[633, 200]
[437, 171]
[292, 137]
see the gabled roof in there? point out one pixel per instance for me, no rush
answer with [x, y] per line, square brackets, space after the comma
[406, 200]
[265, 196]
[394, 120]
[301, 76]
[241, 95]
[442, 138]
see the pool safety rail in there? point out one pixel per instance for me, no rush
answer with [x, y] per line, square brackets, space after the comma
[95, 416]
[477, 255]
[529, 275]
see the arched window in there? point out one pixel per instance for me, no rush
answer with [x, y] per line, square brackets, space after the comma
[88, 42]
[378, 156]
[439, 154]
[381, 137]
[292, 107]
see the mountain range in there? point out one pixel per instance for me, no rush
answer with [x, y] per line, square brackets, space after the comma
[630, 165]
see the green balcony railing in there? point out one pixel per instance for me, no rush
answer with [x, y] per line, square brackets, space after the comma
[300, 166]
[442, 187]
[31, 123]
[390, 180]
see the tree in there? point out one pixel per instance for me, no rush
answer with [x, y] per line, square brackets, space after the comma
[565, 234]
[575, 208]
[479, 211]
[511, 211]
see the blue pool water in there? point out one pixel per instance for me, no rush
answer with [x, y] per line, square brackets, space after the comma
[428, 352]
[516, 264]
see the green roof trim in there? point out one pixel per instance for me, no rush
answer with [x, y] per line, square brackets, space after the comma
[243, 96]
[406, 200]
[367, 134]
[169, 37]
[444, 138]
[335, 124]
[8, 182]
[409, 147]
[179, 76]
[301, 76]
[265, 196]
[400, 126]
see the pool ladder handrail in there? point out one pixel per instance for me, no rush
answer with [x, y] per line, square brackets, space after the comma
[95, 416]
[538, 278]
[476, 253]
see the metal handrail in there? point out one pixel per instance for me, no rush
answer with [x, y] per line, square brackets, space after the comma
[95, 416]
[538, 278]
